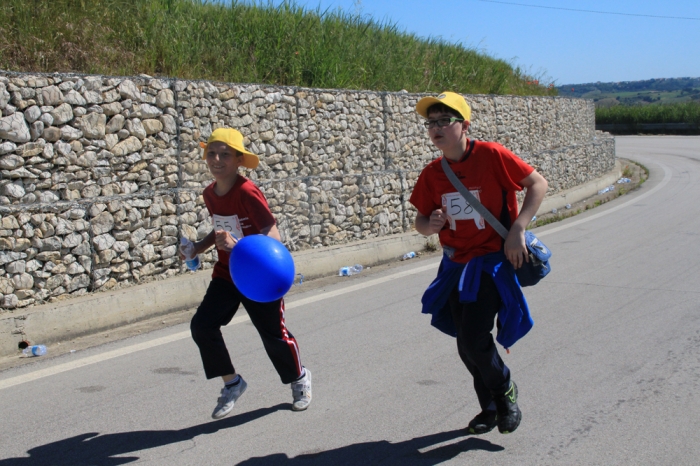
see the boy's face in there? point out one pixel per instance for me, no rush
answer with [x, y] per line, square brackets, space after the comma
[223, 161]
[447, 137]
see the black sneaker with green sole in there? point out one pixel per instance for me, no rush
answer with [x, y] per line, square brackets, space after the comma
[484, 422]
[509, 414]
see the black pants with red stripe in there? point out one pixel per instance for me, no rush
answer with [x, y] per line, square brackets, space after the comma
[218, 308]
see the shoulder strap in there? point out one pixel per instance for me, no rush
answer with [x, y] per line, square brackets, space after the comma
[473, 201]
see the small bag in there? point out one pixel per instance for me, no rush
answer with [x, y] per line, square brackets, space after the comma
[537, 267]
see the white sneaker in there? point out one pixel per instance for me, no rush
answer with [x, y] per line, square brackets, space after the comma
[301, 390]
[228, 398]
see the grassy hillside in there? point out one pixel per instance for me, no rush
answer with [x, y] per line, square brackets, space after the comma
[651, 91]
[197, 39]
[688, 112]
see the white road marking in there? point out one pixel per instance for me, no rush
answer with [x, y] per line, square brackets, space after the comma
[41, 373]
[359, 286]
[664, 182]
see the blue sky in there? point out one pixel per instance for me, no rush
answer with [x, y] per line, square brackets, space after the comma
[566, 47]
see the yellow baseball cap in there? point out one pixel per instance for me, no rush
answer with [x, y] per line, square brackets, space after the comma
[455, 101]
[234, 139]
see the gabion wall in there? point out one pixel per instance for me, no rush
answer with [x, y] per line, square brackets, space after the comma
[100, 176]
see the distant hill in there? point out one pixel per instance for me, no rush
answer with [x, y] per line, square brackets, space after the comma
[662, 90]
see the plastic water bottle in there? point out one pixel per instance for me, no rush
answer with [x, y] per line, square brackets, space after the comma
[36, 350]
[346, 271]
[191, 259]
[408, 255]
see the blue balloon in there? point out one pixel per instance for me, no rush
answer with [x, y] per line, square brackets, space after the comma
[261, 268]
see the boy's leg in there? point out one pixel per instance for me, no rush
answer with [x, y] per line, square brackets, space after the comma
[477, 349]
[474, 322]
[486, 420]
[282, 348]
[482, 391]
[279, 343]
[218, 307]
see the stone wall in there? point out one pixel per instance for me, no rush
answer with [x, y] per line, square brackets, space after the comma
[100, 176]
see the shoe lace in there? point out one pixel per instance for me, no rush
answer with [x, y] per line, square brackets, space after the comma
[225, 395]
[300, 389]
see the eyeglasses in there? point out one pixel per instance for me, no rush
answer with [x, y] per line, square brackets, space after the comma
[440, 122]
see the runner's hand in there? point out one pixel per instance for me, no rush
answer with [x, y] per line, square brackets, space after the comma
[437, 220]
[515, 248]
[224, 241]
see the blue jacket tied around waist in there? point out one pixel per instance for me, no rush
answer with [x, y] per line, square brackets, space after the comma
[514, 314]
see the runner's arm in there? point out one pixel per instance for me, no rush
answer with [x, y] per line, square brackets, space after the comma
[514, 247]
[272, 231]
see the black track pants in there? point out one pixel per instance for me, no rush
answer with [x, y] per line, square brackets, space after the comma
[218, 308]
[475, 344]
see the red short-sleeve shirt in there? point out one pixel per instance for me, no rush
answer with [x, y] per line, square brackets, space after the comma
[242, 211]
[492, 173]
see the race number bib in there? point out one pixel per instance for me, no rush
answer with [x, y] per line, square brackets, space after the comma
[230, 224]
[457, 208]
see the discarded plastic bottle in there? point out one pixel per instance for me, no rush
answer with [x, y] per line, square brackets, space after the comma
[346, 271]
[191, 259]
[607, 189]
[36, 350]
[408, 255]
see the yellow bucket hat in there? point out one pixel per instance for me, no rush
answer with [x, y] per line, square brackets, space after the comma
[234, 139]
[455, 101]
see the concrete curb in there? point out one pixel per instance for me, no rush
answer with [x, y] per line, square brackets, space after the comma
[56, 322]
[580, 193]
[61, 321]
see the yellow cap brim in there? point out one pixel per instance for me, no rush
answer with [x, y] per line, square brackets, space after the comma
[424, 104]
[250, 160]
[449, 99]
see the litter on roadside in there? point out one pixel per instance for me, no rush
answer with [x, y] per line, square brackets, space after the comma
[349, 270]
[607, 189]
[624, 180]
[34, 350]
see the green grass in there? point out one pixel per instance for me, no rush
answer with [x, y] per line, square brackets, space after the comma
[646, 173]
[552, 219]
[259, 43]
[664, 90]
[644, 97]
[688, 112]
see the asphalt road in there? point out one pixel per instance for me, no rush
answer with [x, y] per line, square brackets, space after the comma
[609, 375]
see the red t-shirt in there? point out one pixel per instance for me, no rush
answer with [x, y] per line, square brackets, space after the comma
[242, 211]
[492, 173]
